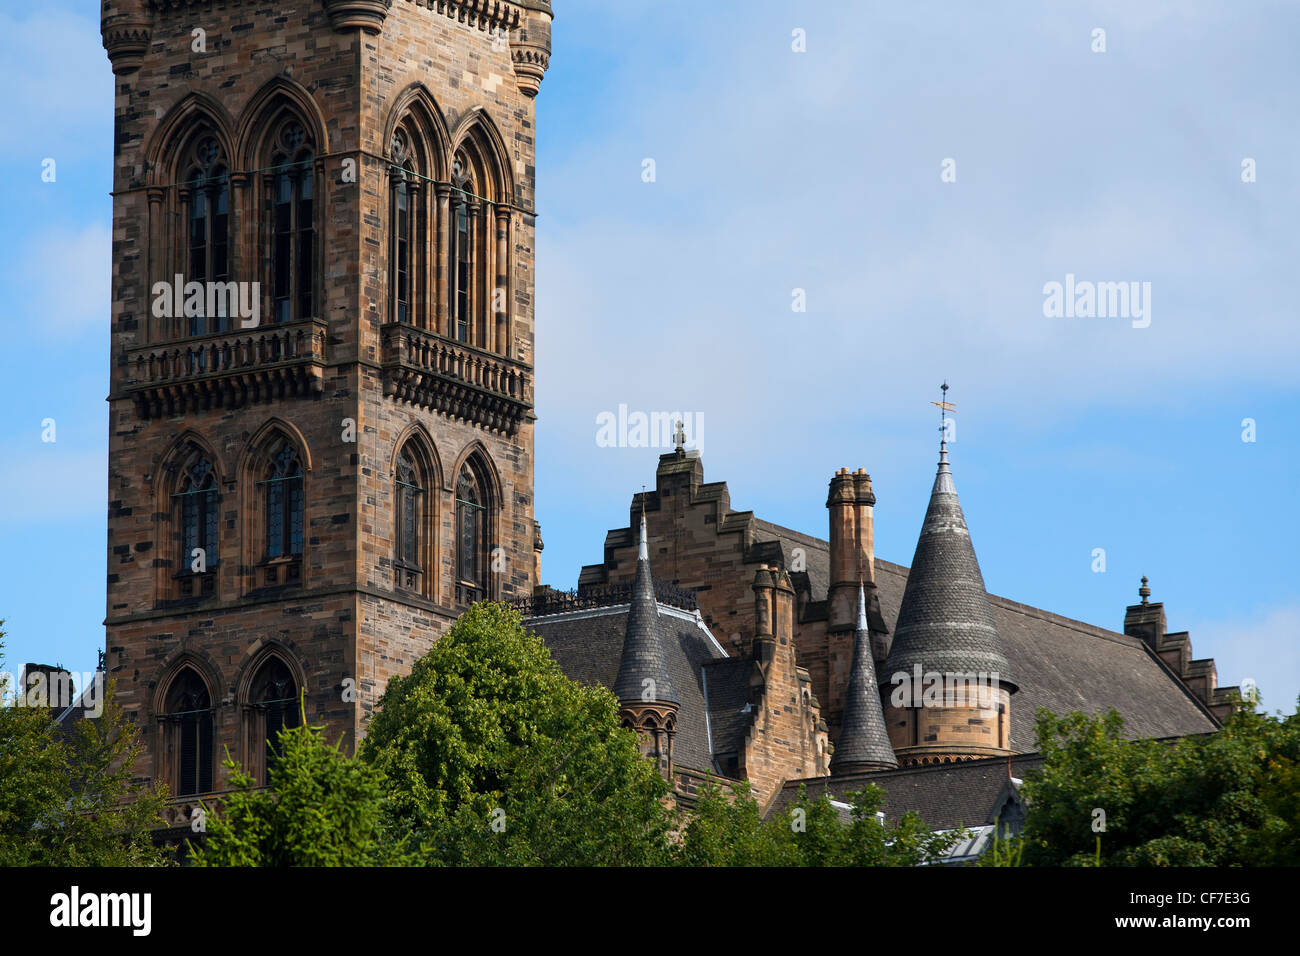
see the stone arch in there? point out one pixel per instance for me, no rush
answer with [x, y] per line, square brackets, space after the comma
[258, 567]
[477, 135]
[477, 453]
[280, 96]
[415, 513]
[178, 127]
[416, 109]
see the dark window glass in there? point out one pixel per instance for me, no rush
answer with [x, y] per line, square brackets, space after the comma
[462, 269]
[292, 232]
[471, 531]
[408, 504]
[284, 505]
[402, 250]
[198, 505]
[189, 720]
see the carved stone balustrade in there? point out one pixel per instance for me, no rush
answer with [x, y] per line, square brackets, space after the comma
[459, 380]
[227, 370]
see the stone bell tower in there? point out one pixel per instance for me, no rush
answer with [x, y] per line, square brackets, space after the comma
[321, 389]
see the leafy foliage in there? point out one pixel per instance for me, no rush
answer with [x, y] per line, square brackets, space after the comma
[1231, 798]
[726, 831]
[493, 756]
[71, 799]
[321, 808]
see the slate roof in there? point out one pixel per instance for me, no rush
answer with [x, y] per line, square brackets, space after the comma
[863, 738]
[1060, 663]
[642, 671]
[588, 646]
[944, 796]
[945, 623]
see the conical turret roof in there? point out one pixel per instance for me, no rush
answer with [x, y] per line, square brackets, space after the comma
[642, 671]
[864, 742]
[945, 623]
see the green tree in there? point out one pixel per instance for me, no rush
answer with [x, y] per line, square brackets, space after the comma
[493, 756]
[723, 830]
[1228, 798]
[69, 797]
[320, 808]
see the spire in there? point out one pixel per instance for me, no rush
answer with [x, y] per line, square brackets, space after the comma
[864, 742]
[945, 623]
[642, 671]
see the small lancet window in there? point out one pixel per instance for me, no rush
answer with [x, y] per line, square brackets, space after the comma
[207, 192]
[275, 704]
[409, 498]
[197, 502]
[292, 234]
[188, 720]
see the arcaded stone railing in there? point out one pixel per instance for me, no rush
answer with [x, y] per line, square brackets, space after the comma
[227, 370]
[456, 379]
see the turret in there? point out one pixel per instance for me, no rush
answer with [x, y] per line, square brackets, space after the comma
[647, 702]
[864, 742]
[947, 681]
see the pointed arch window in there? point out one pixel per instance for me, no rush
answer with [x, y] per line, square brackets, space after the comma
[273, 706]
[187, 723]
[293, 235]
[463, 221]
[207, 214]
[197, 504]
[471, 538]
[406, 226]
[409, 517]
[284, 517]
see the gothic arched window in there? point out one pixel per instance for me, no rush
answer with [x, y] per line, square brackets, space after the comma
[197, 503]
[207, 212]
[409, 496]
[471, 538]
[406, 226]
[273, 707]
[292, 231]
[187, 722]
[284, 515]
[463, 219]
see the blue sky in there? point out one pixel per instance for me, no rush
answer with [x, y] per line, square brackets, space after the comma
[820, 171]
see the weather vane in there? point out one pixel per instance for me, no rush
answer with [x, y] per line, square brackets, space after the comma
[944, 408]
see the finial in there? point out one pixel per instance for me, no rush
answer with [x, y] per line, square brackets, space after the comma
[862, 606]
[944, 408]
[644, 553]
[679, 437]
[1144, 592]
